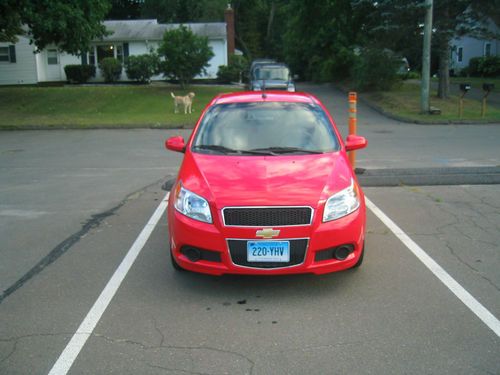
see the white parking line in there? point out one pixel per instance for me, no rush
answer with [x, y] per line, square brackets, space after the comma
[70, 353]
[473, 304]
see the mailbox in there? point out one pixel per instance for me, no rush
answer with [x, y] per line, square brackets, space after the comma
[488, 87]
[464, 87]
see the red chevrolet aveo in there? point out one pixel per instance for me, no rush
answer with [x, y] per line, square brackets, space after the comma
[265, 188]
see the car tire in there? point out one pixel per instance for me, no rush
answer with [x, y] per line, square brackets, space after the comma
[175, 265]
[360, 260]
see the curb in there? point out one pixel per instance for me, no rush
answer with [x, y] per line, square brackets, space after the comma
[428, 176]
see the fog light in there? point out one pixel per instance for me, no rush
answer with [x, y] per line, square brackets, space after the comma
[342, 252]
[192, 254]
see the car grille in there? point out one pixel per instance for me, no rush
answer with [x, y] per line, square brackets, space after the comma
[267, 216]
[238, 251]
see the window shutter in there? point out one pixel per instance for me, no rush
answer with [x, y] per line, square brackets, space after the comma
[12, 53]
[125, 50]
[84, 58]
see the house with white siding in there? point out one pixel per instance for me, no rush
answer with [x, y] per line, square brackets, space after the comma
[466, 47]
[21, 64]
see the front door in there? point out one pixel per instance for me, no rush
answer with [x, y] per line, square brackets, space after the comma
[53, 61]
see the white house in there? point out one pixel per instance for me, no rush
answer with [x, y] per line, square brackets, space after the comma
[465, 48]
[19, 64]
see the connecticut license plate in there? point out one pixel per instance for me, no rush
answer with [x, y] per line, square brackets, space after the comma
[268, 251]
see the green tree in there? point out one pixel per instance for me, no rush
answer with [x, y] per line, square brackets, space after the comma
[125, 9]
[183, 11]
[397, 23]
[323, 52]
[71, 25]
[186, 54]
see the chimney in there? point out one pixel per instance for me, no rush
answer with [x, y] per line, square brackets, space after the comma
[229, 18]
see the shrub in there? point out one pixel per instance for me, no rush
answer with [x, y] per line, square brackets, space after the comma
[473, 68]
[111, 69]
[79, 73]
[142, 67]
[488, 66]
[234, 71]
[375, 69]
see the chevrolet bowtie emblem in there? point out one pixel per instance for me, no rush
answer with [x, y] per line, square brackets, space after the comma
[267, 233]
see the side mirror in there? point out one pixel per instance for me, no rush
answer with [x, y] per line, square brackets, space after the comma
[175, 144]
[355, 142]
[296, 77]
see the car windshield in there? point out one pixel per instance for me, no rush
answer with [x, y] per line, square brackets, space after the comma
[274, 128]
[272, 73]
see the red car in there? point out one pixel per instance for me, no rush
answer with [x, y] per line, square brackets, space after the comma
[265, 188]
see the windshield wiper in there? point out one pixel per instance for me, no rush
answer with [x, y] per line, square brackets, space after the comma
[287, 150]
[227, 150]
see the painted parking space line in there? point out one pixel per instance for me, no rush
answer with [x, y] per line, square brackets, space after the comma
[84, 331]
[463, 295]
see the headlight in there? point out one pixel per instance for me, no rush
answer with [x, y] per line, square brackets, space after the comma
[192, 205]
[256, 88]
[342, 203]
[291, 88]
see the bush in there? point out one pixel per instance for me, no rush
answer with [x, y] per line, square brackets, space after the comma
[142, 67]
[473, 68]
[79, 73]
[488, 66]
[234, 71]
[375, 69]
[111, 69]
[332, 68]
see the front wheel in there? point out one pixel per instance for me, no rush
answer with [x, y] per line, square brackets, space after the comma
[175, 265]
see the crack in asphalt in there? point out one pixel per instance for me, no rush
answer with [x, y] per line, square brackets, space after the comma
[455, 221]
[190, 349]
[16, 340]
[94, 222]
[173, 369]
[143, 346]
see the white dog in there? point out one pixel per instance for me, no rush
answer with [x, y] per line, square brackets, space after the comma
[186, 101]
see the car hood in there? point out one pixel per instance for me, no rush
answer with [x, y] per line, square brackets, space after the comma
[266, 180]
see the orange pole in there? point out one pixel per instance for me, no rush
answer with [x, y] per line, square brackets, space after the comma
[353, 98]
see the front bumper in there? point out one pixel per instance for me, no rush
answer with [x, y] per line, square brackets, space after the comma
[215, 240]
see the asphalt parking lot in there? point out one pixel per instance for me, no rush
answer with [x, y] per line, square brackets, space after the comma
[75, 203]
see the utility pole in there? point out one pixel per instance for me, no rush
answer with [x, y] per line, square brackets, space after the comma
[426, 59]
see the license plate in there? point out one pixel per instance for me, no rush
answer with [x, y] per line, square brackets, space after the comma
[268, 251]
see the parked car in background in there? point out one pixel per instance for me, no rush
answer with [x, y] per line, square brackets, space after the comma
[271, 76]
[265, 187]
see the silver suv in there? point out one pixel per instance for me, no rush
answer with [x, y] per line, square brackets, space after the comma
[271, 76]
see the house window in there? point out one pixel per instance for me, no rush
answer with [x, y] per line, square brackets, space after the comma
[487, 49]
[52, 58]
[92, 56]
[119, 52]
[4, 54]
[460, 54]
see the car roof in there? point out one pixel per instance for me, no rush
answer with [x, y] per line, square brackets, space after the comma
[265, 96]
[273, 65]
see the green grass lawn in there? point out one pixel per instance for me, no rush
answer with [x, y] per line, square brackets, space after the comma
[404, 102]
[476, 82]
[100, 106]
